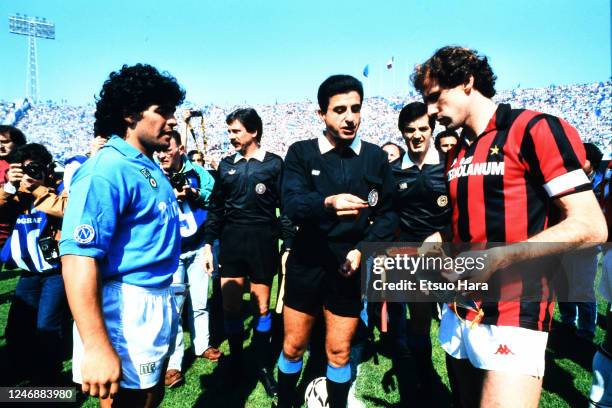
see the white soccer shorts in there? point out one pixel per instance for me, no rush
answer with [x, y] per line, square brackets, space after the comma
[140, 323]
[496, 348]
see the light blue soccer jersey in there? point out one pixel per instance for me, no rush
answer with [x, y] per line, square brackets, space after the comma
[123, 212]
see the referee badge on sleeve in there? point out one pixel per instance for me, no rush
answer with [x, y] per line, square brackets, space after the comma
[442, 201]
[260, 188]
[373, 198]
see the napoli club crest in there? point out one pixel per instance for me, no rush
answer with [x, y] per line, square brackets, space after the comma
[260, 188]
[373, 198]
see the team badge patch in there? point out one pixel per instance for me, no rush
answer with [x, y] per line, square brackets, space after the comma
[442, 201]
[84, 234]
[147, 174]
[403, 186]
[373, 198]
[260, 188]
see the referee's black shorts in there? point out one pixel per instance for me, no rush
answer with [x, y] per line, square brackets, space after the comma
[308, 287]
[249, 251]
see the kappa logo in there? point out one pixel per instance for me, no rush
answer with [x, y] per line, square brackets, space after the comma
[503, 350]
[147, 368]
[145, 173]
[84, 234]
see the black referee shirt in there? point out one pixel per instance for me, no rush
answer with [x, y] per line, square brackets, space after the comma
[314, 171]
[422, 198]
[247, 192]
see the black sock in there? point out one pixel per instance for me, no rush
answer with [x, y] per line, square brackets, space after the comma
[337, 393]
[338, 385]
[261, 348]
[261, 340]
[235, 337]
[288, 376]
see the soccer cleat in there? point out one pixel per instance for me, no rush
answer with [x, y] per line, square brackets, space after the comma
[268, 382]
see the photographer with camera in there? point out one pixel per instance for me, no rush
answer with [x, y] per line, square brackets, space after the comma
[192, 186]
[34, 328]
[10, 139]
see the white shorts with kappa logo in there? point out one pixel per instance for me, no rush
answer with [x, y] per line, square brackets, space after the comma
[496, 348]
[140, 323]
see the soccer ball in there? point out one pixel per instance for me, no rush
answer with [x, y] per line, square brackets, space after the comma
[316, 394]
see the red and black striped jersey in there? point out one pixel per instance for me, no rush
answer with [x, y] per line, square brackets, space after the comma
[502, 188]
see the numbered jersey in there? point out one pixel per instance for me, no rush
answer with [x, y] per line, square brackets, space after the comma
[192, 217]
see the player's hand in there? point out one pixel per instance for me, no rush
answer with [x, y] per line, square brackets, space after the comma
[209, 262]
[345, 204]
[485, 264]
[97, 144]
[101, 371]
[14, 174]
[351, 264]
[29, 184]
[208, 159]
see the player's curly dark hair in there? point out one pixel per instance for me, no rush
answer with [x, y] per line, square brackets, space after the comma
[452, 66]
[129, 92]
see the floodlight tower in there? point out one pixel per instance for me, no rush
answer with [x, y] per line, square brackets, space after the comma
[33, 28]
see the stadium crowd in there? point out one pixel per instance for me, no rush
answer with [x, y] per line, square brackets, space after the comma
[66, 130]
[111, 248]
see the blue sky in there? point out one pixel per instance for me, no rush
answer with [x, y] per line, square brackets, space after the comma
[262, 51]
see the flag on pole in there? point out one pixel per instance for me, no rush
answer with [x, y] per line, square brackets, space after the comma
[366, 70]
[390, 63]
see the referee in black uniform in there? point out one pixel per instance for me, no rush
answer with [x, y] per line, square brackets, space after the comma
[243, 217]
[424, 213]
[338, 191]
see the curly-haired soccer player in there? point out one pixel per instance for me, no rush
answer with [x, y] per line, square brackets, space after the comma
[121, 243]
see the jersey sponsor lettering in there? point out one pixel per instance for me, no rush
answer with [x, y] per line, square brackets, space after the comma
[169, 210]
[466, 169]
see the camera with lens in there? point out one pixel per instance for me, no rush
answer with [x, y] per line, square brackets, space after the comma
[49, 249]
[35, 170]
[178, 181]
